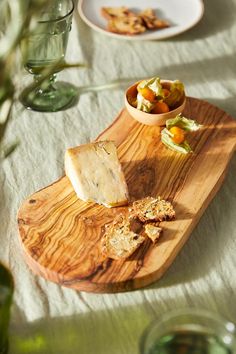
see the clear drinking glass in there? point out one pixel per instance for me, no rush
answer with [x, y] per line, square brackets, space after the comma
[189, 331]
[6, 293]
[43, 52]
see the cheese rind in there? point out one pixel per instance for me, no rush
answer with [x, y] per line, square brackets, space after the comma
[96, 174]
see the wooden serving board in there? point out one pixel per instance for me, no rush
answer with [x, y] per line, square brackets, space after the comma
[60, 234]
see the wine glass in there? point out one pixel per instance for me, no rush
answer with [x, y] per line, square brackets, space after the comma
[43, 53]
[189, 330]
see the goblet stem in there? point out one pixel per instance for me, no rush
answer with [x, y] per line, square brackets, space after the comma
[46, 86]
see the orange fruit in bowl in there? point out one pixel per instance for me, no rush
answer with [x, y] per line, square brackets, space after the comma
[160, 107]
[147, 93]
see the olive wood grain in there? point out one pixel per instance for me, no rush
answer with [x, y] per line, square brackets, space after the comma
[60, 234]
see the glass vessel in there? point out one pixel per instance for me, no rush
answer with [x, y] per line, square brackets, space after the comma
[189, 331]
[6, 292]
[43, 53]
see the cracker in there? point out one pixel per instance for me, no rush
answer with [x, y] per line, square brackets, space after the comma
[118, 241]
[114, 12]
[129, 25]
[151, 21]
[152, 209]
[153, 231]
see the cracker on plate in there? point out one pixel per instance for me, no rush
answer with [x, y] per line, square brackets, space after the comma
[122, 20]
[114, 12]
[151, 21]
[129, 25]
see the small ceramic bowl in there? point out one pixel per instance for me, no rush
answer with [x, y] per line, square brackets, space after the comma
[151, 118]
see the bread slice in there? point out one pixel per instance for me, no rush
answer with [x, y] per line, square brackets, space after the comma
[96, 173]
[152, 231]
[113, 12]
[129, 25]
[118, 241]
[151, 21]
[152, 209]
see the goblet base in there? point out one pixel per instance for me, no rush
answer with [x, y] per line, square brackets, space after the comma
[59, 96]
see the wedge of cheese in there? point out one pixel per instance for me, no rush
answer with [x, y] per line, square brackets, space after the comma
[96, 174]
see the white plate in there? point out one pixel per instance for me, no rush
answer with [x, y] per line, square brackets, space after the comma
[181, 14]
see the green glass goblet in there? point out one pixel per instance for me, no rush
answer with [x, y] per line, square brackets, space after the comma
[43, 54]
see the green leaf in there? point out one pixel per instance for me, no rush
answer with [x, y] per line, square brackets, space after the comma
[186, 124]
[8, 149]
[5, 111]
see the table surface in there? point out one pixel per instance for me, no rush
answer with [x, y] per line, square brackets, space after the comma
[48, 318]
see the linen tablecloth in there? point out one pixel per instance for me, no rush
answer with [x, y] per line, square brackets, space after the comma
[48, 318]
